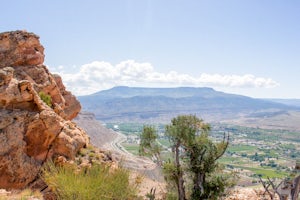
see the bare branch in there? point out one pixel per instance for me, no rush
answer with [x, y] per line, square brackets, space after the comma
[266, 186]
[226, 142]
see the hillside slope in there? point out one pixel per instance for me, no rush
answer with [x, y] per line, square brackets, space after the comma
[99, 134]
[109, 140]
[290, 102]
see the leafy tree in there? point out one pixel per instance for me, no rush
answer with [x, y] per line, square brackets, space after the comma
[194, 159]
[191, 146]
[148, 145]
[208, 183]
[181, 132]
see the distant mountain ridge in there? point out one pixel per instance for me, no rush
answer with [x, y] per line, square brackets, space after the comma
[137, 104]
[290, 102]
[179, 92]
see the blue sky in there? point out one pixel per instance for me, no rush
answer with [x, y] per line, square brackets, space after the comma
[249, 47]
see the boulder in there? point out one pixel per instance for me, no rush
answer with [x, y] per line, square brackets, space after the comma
[19, 48]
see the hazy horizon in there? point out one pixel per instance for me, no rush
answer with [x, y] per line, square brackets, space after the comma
[118, 86]
[246, 47]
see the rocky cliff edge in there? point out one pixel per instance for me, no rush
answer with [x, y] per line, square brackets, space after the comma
[30, 130]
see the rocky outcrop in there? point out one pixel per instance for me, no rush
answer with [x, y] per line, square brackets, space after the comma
[30, 130]
[20, 48]
[241, 193]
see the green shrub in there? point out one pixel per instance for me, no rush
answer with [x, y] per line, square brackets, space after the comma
[96, 182]
[46, 98]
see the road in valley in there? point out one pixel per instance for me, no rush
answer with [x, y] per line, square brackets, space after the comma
[127, 159]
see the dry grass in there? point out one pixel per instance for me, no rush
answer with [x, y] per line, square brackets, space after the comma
[26, 194]
[96, 182]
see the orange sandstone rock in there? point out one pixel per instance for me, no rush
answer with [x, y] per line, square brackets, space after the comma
[30, 131]
[20, 48]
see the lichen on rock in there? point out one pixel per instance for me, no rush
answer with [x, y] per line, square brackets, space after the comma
[30, 131]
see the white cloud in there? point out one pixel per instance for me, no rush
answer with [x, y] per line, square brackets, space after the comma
[97, 76]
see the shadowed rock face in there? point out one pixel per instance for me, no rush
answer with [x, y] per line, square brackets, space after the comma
[30, 131]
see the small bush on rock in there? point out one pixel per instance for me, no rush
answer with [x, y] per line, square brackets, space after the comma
[46, 98]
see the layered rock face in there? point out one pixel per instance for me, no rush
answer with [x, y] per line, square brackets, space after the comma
[30, 130]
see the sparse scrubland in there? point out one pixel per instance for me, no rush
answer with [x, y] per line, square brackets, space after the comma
[39, 142]
[95, 182]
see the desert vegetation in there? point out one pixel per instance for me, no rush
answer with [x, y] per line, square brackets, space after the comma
[26, 194]
[253, 152]
[46, 98]
[193, 171]
[95, 182]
